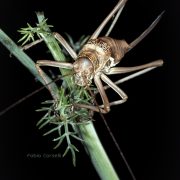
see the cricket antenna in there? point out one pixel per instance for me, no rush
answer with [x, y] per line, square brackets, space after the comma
[113, 137]
[30, 95]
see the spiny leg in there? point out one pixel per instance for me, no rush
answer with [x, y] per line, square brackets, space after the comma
[122, 80]
[64, 65]
[119, 91]
[119, 5]
[99, 85]
[52, 64]
[127, 78]
[105, 108]
[62, 41]
[122, 70]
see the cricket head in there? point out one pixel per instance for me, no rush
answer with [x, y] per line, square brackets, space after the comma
[84, 70]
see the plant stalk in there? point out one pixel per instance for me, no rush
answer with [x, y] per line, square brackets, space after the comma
[24, 59]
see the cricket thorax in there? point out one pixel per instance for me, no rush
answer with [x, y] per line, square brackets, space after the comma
[98, 52]
[92, 58]
[118, 48]
[97, 56]
[108, 52]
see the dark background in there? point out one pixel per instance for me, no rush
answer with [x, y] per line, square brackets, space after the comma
[146, 126]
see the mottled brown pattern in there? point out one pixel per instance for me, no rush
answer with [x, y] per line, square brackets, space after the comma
[118, 48]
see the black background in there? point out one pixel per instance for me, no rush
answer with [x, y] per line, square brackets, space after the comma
[146, 126]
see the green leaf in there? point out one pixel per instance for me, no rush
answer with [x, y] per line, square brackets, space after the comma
[52, 130]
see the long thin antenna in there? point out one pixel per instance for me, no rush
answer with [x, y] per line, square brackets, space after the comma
[113, 137]
[29, 95]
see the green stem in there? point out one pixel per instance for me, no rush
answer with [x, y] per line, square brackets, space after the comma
[97, 153]
[53, 46]
[24, 59]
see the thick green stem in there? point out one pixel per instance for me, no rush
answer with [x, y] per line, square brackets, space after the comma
[24, 59]
[97, 153]
[53, 46]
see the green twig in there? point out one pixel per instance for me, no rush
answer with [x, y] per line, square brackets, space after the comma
[24, 59]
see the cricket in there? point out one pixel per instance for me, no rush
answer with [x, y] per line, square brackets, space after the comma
[98, 58]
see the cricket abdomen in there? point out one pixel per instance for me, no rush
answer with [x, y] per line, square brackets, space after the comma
[118, 48]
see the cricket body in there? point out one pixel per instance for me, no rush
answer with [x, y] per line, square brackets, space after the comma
[98, 58]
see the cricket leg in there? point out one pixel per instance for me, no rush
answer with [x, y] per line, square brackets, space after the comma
[105, 108]
[119, 6]
[40, 63]
[122, 80]
[114, 21]
[64, 43]
[119, 91]
[122, 70]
